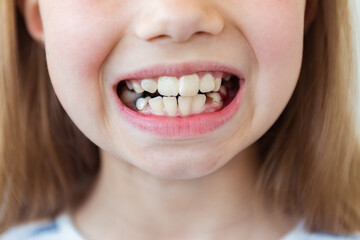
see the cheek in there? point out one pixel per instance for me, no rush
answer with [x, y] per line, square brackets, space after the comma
[74, 38]
[274, 30]
[79, 36]
[276, 37]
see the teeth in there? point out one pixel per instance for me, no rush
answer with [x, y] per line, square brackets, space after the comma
[223, 90]
[170, 104]
[198, 103]
[168, 86]
[215, 97]
[157, 105]
[137, 87]
[185, 105]
[227, 77]
[217, 84]
[207, 83]
[141, 103]
[182, 93]
[189, 85]
[129, 85]
[149, 85]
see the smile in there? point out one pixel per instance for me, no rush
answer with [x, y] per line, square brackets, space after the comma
[180, 105]
[179, 97]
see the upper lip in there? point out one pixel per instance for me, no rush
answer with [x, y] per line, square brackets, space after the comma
[179, 69]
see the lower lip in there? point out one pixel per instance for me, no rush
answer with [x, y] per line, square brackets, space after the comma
[183, 127]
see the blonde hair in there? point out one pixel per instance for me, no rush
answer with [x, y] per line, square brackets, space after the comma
[311, 157]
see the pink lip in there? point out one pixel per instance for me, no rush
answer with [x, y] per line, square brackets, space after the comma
[181, 127]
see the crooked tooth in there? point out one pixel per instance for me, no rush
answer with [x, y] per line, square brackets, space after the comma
[128, 96]
[141, 103]
[129, 85]
[215, 97]
[207, 83]
[168, 86]
[189, 85]
[157, 105]
[137, 87]
[227, 77]
[184, 105]
[198, 103]
[217, 84]
[223, 90]
[170, 104]
[149, 85]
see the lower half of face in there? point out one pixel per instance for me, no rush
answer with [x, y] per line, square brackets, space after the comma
[176, 88]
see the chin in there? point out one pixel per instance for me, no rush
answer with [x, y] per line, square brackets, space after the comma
[180, 165]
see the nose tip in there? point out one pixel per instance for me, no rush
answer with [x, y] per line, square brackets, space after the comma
[178, 20]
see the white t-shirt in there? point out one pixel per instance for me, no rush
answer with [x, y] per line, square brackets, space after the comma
[62, 228]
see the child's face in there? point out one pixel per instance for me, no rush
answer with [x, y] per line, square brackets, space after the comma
[91, 45]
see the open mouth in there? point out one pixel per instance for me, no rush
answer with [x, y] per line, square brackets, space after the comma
[180, 96]
[182, 101]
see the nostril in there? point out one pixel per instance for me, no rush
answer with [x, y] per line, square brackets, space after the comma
[160, 37]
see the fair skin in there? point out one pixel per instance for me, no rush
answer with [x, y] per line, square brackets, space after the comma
[161, 187]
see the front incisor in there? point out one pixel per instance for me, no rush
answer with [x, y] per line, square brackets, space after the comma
[168, 86]
[170, 104]
[189, 85]
[184, 105]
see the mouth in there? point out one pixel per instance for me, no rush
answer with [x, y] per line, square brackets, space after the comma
[188, 95]
[180, 105]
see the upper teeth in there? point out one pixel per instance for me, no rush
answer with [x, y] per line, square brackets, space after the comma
[187, 86]
[137, 87]
[149, 85]
[207, 83]
[168, 86]
[217, 84]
